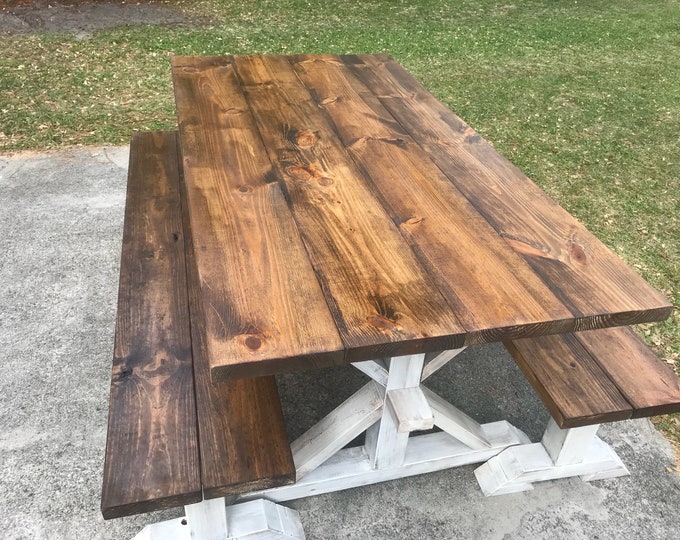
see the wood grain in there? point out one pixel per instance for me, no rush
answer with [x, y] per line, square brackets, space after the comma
[152, 445]
[262, 305]
[596, 285]
[342, 213]
[571, 384]
[462, 253]
[243, 441]
[597, 376]
[649, 385]
[383, 302]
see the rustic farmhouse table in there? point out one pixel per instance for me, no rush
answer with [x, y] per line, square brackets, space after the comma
[339, 213]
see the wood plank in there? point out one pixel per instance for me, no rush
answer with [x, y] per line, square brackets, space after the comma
[455, 422]
[571, 384]
[384, 443]
[460, 250]
[206, 520]
[243, 441]
[261, 519]
[597, 286]
[263, 308]
[337, 429]
[434, 361]
[514, 469]
[411, 409]
[567, 446]
[152, 445]
[649, 385]
[381, 299]
[375, 369]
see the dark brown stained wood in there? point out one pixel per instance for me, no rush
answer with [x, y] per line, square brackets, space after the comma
[599, 288]
[341, 212]
[152, 445]
[243, 441]
[263, 308]
[382, 300]
[460, 250]
[648, 384]
[571, 384]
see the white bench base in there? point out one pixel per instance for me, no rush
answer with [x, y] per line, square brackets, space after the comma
[562, 453]
[211, 520]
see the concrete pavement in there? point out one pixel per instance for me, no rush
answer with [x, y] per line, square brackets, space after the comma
[61, 216]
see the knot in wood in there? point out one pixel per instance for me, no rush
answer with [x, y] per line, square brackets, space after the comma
[400, 143]
[306, 139]
[329, 100]
[253, 342]
[577, 253]
[125, 373]
[300, 171]
[380, 322]
[414, 220]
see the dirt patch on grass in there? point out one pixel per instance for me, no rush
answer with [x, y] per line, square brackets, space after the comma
[81, 18]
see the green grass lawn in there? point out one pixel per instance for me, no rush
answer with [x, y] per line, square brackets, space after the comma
[584, 96]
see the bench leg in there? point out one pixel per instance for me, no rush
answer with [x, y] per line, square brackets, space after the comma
[207, 520]
[562, 453]
[389, 409]
[212, 520]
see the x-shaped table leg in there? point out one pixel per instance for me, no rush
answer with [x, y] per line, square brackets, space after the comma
[388, 408]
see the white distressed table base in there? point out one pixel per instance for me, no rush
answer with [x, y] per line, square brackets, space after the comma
[388, 409]
[353, 467]
[172, 529]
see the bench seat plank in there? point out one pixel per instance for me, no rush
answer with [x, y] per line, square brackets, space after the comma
[244, 444]
[597, 376]
[571, 384]
[162, 401]
[649, 385]
[152, 445]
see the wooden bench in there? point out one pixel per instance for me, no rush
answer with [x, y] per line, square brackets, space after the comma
[597, 376]
[174, 438]
[584, 379]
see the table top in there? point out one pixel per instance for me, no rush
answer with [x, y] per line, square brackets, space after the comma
[339, 212]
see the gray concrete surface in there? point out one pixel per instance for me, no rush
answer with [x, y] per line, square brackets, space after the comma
[61, 217]
[82, 18]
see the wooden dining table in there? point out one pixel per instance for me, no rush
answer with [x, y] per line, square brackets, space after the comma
[339, 213]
